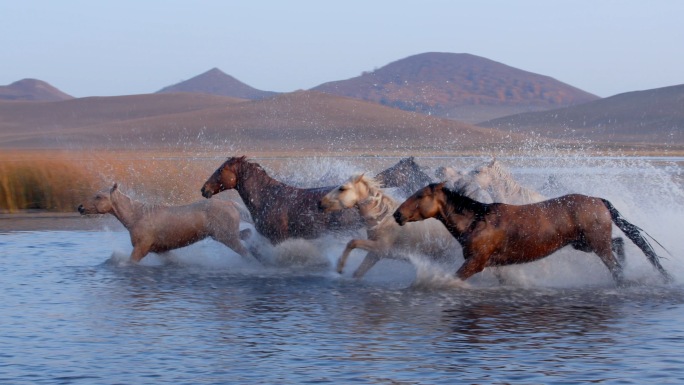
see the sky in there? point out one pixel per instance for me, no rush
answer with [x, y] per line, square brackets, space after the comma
[106, 48]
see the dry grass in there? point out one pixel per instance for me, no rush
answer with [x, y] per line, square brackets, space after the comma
[60, 181]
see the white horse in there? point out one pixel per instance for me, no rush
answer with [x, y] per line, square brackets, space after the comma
[159, 228]
[386, 239]
[490, 182]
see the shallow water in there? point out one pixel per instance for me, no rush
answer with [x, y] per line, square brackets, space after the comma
[74, 311]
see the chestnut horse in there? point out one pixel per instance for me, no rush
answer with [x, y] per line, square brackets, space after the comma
[500, 234]
[159, 229]
[385, 237]
[279, 211]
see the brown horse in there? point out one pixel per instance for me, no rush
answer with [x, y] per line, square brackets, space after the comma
[406, 175]
[279, 211]
[159, 229]
[500, 234]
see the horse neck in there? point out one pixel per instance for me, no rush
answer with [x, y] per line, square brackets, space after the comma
[125, 209]
[252, 181]
[376, 207]
[460, 213]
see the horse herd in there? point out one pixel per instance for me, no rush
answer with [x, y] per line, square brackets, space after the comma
[484, 213]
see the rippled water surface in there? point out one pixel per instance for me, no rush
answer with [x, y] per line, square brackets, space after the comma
[74, 311]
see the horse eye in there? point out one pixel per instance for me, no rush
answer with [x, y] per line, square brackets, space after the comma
[342, 188]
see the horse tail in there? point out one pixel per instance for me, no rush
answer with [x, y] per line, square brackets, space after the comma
[634, 233]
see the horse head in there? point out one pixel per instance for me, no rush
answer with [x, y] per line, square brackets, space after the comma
[100, 203]
[348, 194]
[224, 178]
[406, 174]
[423, 204]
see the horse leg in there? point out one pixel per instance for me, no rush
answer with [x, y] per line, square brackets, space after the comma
[365, 244]
[605, 252]
[473, 264]
[139, 252]
[368, 262]
[618, 247]
[232, 241]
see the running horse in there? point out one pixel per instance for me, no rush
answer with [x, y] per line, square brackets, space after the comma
[499, 234]
[279, 211]
[158, 228]
[386, 239]
[406, 175]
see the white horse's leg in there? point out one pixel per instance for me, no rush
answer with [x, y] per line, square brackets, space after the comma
[368, 262]
[365, 244]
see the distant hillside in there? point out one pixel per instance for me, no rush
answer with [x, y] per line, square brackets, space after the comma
[299, 121]
[459, 86]
[32, 89]
[651, 116]
[21, 122]
[216, 82]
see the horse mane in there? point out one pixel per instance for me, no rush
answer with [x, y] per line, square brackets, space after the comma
[249, 165]
[459, 198]
[383, 205]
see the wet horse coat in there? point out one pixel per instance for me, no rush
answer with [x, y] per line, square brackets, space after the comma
[406, 175]
[385, 237]
[162, 228]
[499, 234]
[279, 211]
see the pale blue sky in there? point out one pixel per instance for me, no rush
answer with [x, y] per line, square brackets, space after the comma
[88, 48]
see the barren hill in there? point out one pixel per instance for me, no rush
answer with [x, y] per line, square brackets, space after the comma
[650, 116]
[299, 121]
[22, 122]
[32, 89]
[216, 82]
[459, 86]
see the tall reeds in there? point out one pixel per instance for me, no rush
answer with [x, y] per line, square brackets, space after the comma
[60, 181]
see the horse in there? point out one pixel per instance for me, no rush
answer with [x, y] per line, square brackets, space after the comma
[499, 234]
[406, 175]
[385, 236]
[279, 211]
[490, 182]
[160, 229]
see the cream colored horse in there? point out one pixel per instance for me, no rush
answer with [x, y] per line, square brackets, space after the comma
[159, 229]
[386, 239]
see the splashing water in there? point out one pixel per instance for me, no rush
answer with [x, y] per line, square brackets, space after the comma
[647, 191]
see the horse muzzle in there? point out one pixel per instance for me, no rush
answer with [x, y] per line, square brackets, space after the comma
[206, 192]
[399, 218]
[81, 209]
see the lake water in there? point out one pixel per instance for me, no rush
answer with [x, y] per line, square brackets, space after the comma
[74, 311]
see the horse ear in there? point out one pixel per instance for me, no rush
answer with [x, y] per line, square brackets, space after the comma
[359, 177]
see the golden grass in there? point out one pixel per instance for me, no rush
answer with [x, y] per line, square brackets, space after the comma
[60, 181]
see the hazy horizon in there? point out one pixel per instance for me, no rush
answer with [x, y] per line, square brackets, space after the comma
[102, 49]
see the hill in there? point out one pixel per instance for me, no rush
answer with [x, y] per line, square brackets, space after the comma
[650, 116]
[294, 122]
[458, 86]
[32, 89]
[216, 82]
[24, 122]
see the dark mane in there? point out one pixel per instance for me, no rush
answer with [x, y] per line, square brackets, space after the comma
[461, 201]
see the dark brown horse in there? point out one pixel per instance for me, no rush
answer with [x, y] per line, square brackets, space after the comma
[499, 234]
[406, 175]
[279, 211]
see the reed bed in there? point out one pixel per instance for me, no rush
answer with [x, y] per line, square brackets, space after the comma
[60, 181]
